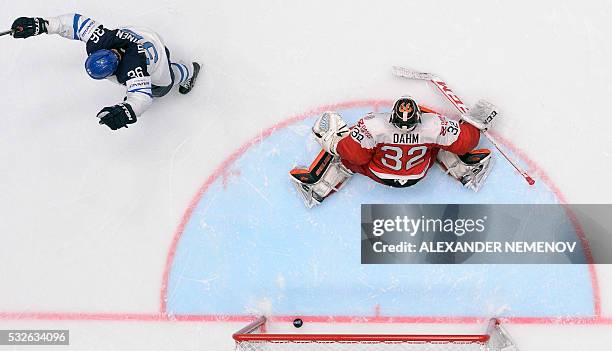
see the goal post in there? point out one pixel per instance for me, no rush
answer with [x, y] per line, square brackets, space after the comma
[254, 338]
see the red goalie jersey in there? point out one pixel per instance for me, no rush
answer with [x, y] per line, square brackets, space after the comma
[399, 158]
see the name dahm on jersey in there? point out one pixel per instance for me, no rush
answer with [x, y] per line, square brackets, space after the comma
[405, 138]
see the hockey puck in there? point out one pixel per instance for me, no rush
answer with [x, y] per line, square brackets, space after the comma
[297, 323]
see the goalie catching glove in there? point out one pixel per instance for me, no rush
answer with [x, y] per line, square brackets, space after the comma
[481, 115]
[329, 129]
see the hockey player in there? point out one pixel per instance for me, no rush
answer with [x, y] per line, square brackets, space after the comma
[134, 57]
[396, 149]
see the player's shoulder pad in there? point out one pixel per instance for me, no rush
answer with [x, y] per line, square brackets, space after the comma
[375, 121]
[368, 128]
[431, 119]
[438, 129]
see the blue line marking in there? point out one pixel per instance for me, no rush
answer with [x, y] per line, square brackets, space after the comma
[252, 247]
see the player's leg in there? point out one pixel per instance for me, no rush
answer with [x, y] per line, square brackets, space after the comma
[470, 169]
[185, 75]
[363, 170]
[163, 77]
[325, 175]
[177, 73]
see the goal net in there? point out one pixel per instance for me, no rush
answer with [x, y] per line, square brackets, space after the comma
[252, 338]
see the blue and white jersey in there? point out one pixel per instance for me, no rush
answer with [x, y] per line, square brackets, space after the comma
[143, 63]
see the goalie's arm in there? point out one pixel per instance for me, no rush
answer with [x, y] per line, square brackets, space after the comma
[353, 152]
[479, 118]
[467, 139]
[331, 132]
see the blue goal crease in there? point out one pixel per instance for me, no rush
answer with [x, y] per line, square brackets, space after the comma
[267, 253]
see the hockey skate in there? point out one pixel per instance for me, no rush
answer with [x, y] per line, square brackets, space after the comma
[471, 169]
[325, 175]
[186, 87]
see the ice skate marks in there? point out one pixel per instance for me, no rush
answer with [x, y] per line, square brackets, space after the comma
[248, 245]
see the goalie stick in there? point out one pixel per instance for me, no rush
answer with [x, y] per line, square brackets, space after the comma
[460, 106]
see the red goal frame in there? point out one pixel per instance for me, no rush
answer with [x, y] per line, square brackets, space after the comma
[255, 332]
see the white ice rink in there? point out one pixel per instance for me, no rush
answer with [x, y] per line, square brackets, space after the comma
[87, 215]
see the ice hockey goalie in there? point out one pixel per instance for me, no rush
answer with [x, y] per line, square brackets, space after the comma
[396, 149]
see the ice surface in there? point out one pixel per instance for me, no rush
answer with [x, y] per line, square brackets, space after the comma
[87, 215]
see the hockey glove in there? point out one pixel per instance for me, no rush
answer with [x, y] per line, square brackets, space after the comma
[329, 129]
[25, 27]
[117, 116]
[481, 115]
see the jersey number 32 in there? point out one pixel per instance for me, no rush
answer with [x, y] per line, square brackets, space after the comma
[395, 159]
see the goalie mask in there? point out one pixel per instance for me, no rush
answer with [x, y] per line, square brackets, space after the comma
[406, 113]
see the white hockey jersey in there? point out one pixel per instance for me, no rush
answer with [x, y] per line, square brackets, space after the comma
[389, 153]
[144, 64]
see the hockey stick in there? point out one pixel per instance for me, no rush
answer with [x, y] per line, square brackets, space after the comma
[460, 106]
[6, 32]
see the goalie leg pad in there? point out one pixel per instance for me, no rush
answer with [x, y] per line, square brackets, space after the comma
[324, 176]
[471, 169]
